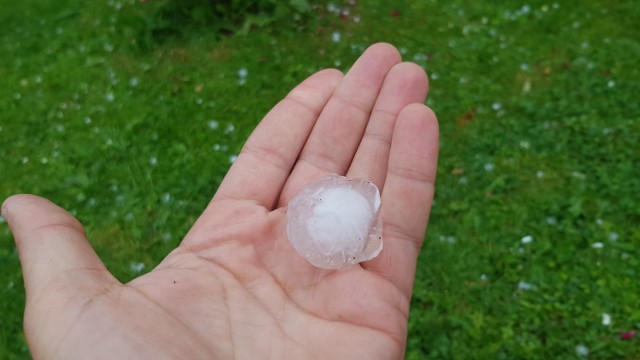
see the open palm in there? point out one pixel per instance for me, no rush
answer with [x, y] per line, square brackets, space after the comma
[235, 288]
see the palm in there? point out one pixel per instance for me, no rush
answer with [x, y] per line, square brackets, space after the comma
[235, 288]
[276, 302]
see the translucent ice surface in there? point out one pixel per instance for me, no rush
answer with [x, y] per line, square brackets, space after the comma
[335, 222]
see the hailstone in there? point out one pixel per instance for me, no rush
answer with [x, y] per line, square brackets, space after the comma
[334, 222]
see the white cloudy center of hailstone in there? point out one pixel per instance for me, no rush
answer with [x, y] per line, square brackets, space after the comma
[334, 222]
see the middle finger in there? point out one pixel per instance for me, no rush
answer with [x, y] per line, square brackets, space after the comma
[334, 139]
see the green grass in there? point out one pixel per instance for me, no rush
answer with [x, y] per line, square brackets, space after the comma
[540, 120]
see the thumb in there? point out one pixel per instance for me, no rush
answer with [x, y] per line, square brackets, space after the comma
[53, 247]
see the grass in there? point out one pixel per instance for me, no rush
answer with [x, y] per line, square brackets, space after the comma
[538, 105]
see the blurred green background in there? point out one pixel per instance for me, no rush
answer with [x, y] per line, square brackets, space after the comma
[128, 114]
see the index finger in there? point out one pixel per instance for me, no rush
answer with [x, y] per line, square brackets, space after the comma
[264, 164]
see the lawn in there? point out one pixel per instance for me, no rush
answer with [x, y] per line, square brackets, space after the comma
[129, 118]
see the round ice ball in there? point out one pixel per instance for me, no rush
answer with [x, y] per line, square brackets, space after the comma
[335, 222]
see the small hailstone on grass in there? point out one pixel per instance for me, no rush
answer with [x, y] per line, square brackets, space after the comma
[578, 175]
[527, 239]
[136, 267]
[489, 167]
[606, 319]
[582, 350]
[335, 222]
[107, 47]
[525, 286]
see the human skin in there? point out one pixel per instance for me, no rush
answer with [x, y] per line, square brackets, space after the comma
[235, 288]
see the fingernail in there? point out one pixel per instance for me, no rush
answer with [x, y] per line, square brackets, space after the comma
[3, 212]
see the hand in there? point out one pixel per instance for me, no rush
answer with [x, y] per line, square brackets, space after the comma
[235, 288]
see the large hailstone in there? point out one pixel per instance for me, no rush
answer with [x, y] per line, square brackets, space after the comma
[334, 222]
